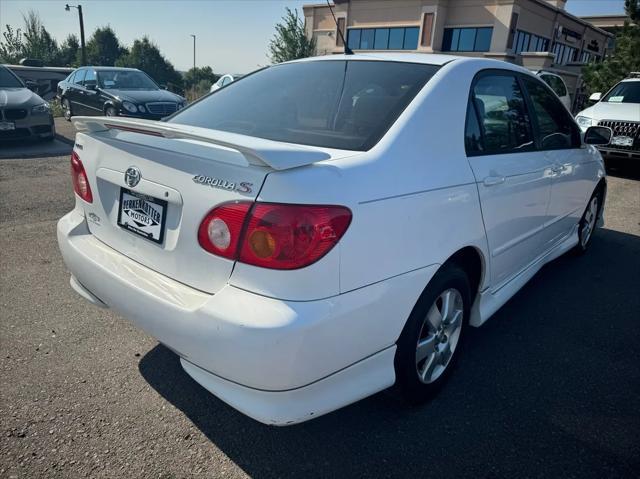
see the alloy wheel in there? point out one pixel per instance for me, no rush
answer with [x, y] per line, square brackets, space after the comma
[439, 335]
[589, 222]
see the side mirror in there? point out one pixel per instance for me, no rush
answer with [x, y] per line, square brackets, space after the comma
[598, 135]
[91, 86]
[595, 96]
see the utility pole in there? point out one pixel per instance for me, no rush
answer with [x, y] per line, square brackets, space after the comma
[194, 52]
[82, 46]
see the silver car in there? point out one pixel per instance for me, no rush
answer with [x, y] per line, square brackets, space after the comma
[23, 114]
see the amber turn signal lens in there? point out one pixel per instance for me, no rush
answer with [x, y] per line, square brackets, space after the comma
[262, 243]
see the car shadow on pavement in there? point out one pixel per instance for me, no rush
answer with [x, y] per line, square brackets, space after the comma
[548, 387]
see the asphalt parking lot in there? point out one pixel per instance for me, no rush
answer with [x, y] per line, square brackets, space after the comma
[549, 387]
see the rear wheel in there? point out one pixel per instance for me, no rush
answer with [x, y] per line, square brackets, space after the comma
[588, 222]
[111, 111]
[430, 341]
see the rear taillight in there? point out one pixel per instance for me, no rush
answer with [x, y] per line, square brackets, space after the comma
[273, 235]
[80, 180]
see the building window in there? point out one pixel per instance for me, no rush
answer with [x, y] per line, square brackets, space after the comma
[564, 53]
[528, 42]
[467, 39]
[403, 38]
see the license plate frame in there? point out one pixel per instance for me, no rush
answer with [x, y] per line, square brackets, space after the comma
[7, 126]
[144, 211]
[622, 140]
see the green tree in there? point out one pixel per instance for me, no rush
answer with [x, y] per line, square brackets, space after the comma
[103, 48]
[146, 56]
[625, 59]
[38, 42]
[290, 41]
[197, 75]
[12, 47]
[69, 51]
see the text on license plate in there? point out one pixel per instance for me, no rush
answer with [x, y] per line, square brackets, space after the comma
[622, 141]
[7, 125]
[142, 214]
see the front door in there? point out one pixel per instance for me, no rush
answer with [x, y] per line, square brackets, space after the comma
[559, 138]
[513, 178]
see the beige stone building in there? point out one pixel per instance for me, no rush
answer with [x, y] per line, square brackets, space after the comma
[538, 34]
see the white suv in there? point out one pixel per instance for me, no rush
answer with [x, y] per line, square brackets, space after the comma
[302, 248]
[618, 109]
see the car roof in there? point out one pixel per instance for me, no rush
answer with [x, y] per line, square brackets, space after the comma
[110, 68]
[630, 79]
[426, 58]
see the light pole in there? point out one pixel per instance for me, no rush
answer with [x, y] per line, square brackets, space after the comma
[83, 51]
[194, 51]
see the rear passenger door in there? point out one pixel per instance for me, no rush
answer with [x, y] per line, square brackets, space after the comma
[558, 138]
[512, 177]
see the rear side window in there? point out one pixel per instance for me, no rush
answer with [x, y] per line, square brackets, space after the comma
[501, 114]
[556, 128]
[331, 103]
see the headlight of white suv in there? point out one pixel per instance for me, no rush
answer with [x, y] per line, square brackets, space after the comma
[584, 121]
[130, 107]
[41, 108]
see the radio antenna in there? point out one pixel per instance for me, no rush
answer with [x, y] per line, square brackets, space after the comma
[347, 50]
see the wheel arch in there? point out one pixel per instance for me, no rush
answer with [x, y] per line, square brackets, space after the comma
[472, 261]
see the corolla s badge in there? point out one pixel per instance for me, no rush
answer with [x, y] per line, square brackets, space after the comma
[132, 176]
[241, 187]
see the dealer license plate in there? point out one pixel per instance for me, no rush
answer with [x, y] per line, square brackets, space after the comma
[142, 215]
[7, 125]
[622, 141]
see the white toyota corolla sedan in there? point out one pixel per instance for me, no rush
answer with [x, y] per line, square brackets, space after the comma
[302, 248]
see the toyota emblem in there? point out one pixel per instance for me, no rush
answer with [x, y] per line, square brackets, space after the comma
[132, 176]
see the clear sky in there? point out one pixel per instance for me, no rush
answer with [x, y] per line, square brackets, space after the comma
[232, 35]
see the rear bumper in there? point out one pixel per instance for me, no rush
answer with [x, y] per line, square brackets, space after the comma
[280, 362]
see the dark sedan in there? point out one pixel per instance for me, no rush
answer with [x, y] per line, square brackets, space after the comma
[111, 91]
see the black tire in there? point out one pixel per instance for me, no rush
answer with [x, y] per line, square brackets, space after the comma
[583, 243]
[408, 381]
[66, 106]
[110, 111]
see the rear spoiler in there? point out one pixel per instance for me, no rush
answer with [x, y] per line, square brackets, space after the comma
[276, 155]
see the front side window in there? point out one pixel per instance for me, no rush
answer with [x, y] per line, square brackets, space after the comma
[624, 92]
[79, 78]
[556, 129]
[502, 114]
[467, 39]
[125, 80]
[90, 78]
[331, 103]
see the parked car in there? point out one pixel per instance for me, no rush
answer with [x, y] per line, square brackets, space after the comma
[618, 109]
[111, 91]
[225, 80]
[303, 249]
[557, 85]
[23, 114]
[41, 80]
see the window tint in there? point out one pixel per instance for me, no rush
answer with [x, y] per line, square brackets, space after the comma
[472, 135]
[8, 79]
[555, 126]
[396, 38]
[503, 116]
[382, 39]
[624, 92]
[90, 78]
[70, 77]
[467, 39]
[79, 78]
[331, 103]
[556, 84]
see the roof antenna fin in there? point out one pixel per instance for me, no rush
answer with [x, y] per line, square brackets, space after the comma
[347, 50]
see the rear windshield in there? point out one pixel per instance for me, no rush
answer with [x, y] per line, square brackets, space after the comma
[332, 103]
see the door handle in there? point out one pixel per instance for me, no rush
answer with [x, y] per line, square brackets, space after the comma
[493, 180]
